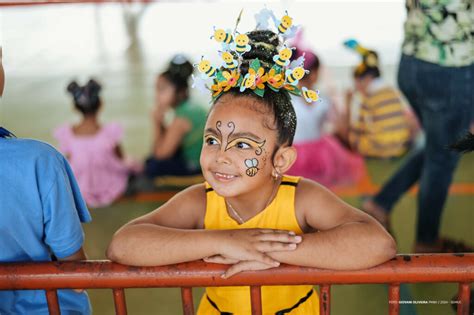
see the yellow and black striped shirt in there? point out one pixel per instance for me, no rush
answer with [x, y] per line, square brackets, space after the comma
[381, 129]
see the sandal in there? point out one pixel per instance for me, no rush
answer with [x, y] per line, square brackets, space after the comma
[453, 246]
[444, 245]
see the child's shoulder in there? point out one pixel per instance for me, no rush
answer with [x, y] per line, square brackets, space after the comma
[316, 206]
[34, 148]
[310, 194]
[309, 190]
[33, 152]
[112, 131]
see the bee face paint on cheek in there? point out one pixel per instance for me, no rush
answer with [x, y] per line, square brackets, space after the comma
[252, 167]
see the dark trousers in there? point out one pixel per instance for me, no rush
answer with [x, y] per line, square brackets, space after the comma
[443, 99]
[175, 165]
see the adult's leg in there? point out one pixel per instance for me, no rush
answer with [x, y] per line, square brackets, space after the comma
[410, 171]
[446, 114]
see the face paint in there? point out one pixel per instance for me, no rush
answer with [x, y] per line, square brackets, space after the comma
[252, 167]
[244, 139]
[257, 146]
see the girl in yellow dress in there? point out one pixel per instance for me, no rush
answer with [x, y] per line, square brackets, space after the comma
[248, 214]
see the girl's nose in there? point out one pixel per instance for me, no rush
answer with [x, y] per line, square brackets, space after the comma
[222, 156]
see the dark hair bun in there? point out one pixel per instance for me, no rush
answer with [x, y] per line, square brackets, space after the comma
[86, 98]
[73, 88]
[180, 68]
[264, 45]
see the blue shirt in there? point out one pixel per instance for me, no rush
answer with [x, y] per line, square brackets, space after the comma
[41, 210]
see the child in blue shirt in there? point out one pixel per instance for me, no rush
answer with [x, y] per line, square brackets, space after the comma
[41, 210]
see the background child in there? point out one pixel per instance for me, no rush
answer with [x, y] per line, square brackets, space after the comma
[321, 157]
[249, 215]
[41, 210]
[378, 127]
[93, 149]
[177, 142]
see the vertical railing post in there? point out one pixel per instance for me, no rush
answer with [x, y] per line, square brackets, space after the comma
[464, 299]
[53, 303]
[394, 299]
[119, 301]
[256, 300]
[187, 300]
[325, 299]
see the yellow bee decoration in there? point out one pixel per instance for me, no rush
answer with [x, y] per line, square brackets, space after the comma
[283, 57]
[248, 81]
[223, 37]
[293, 76]
[229, 62]
[285, 23]
[310, 95]
[252, 167]
[241, 44]
[207, 70]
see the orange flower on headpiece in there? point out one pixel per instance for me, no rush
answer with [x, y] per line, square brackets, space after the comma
[260, 78]
[218, 88]
[274, 79]
[232, 79]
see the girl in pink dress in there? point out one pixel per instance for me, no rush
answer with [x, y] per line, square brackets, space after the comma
[321, 157]
[93, 149]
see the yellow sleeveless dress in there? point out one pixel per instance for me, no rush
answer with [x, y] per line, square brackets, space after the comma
[280, 214]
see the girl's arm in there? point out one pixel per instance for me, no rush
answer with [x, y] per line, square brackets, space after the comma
[346, 238]
[174, 233]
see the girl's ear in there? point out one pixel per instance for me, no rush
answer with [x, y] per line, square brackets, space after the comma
[284, 158]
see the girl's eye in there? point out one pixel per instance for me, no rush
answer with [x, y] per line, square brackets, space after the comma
[242, 145]
[211, 141]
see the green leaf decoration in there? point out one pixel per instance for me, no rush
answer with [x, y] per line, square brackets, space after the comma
[220, 77]
[296, 91]
[277, 68]
[259, 92]
[272, 88]
[239, 81]
[255, 64]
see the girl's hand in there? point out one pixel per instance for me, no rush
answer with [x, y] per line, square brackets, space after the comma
[219, 259]
[252, 244]
[246, 266]
[158, 115]
[348, 97]
[238, 266]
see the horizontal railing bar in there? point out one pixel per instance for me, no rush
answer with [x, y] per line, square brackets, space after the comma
[105, 274]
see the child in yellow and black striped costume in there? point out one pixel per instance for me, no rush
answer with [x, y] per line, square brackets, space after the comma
[248, 214]
[379, 127]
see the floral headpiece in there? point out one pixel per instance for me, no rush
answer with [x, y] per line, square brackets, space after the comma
[369, 57]
[282, 74]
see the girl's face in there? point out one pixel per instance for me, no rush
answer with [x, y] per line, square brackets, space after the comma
[165, 95]
[361, 84]
[238, 146]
